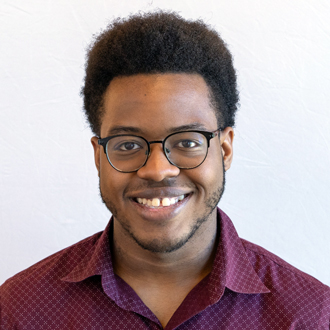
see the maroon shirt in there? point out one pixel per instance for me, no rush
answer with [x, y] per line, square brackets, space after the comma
[248, 288]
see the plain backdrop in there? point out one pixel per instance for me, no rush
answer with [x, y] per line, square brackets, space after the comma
[277, 191]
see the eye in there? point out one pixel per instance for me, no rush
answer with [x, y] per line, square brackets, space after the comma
[187, 144]
[128, 146]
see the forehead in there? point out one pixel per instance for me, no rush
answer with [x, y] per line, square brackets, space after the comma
[156, 104]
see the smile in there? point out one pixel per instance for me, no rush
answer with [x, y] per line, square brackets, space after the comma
[160, 202]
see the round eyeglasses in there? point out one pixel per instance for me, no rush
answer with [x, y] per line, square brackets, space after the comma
[185, 150]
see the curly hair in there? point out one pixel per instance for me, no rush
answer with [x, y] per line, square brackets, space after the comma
[160, 42]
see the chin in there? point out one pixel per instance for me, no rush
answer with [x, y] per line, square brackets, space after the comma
[166, 244]
[163, 245]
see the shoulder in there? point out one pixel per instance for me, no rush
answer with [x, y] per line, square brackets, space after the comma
[50, 269]
[272, 264]
[284, 279]
[292, 292]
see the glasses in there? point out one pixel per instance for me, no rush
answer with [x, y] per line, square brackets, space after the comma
[185, 150]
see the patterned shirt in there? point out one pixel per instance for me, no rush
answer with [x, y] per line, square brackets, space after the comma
[248, 288]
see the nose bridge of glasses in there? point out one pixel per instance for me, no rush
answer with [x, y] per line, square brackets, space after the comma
[153, 142]
[158, 165]
[156, 141]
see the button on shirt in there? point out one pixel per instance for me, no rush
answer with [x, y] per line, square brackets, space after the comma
[248, 288]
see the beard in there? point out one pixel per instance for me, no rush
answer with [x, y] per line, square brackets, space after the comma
[158, 245]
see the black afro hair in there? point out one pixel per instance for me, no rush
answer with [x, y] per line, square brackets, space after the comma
[160, 42]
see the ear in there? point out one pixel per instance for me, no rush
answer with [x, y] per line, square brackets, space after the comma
[97, 150]
[226, 140]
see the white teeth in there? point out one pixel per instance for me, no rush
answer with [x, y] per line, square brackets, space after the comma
[155, 202]
[166, 201]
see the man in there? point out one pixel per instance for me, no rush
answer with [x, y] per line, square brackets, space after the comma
[160, 95]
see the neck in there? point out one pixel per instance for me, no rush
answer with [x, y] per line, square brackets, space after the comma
[163, 280]
[189, 264]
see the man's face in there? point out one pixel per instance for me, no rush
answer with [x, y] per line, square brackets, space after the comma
[154, 106]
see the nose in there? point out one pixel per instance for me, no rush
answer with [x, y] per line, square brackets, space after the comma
[157, 167]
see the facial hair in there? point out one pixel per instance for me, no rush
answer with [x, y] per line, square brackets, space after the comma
[157, 245]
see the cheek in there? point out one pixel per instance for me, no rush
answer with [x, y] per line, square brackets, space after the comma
[214, 168]
[213, 164]
[111, 181]
[209, 176]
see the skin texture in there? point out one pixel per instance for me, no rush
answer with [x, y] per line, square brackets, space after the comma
[162, 253]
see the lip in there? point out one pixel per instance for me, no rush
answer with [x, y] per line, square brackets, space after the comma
[159, 193]
[160, 214]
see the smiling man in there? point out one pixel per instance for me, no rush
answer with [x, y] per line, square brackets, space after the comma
[160, 95]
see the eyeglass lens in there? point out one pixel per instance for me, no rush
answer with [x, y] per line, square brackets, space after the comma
[129, 153]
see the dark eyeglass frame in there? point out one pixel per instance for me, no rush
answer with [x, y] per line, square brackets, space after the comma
[208, 135]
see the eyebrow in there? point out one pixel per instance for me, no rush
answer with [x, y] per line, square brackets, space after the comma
[123, 129]
[132, 129]
[193, 126]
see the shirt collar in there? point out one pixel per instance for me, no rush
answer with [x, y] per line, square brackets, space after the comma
[231, 268]
[97, 261]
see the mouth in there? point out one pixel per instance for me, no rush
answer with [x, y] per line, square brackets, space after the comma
[160, 202]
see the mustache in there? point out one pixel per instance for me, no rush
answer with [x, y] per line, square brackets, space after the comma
[166, 183]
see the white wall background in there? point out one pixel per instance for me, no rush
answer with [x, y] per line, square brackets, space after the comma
[279, 185]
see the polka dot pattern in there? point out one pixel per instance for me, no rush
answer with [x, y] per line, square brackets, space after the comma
[248, 288]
